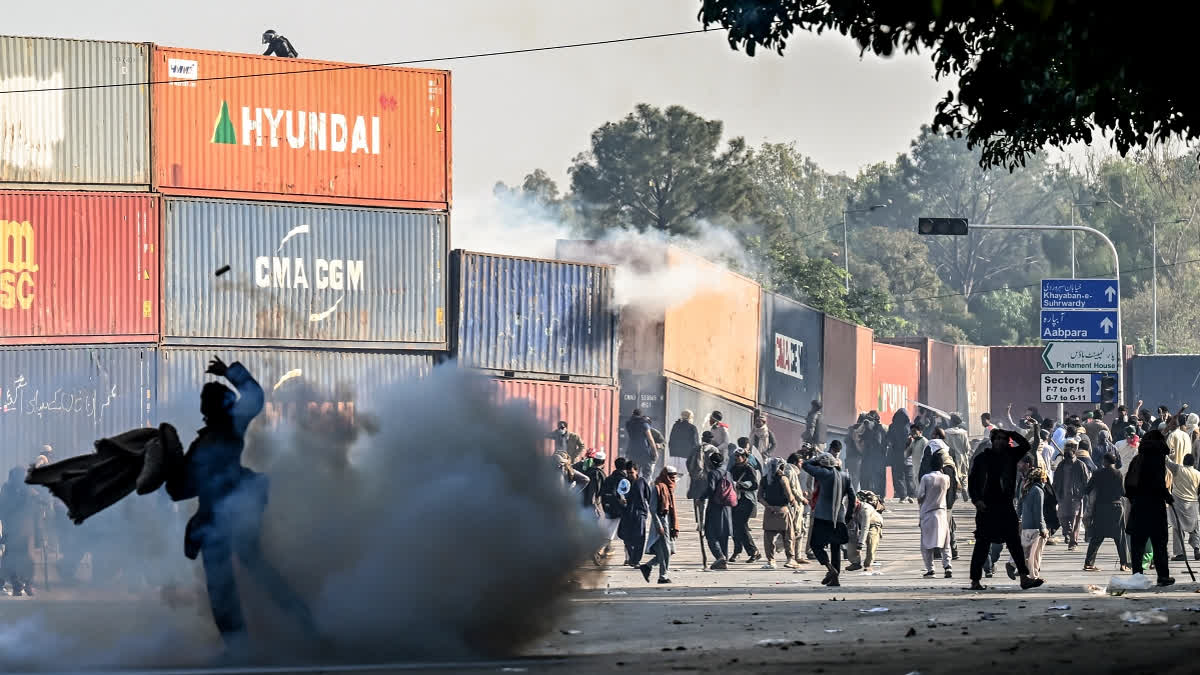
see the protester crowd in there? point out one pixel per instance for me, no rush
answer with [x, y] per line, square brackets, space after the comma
[1031, 483]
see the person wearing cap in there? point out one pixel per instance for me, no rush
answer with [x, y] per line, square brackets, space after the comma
[567, 442]
[592, 466]
[745, 478]
[664, 525]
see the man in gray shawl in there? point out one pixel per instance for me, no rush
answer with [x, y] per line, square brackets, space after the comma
[835, 499]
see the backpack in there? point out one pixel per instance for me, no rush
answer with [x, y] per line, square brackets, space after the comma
[726, 494]
[1050, 509]
[774, 493]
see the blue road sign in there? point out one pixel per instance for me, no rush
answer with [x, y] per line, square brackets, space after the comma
[1079, 325]
[1080, 293]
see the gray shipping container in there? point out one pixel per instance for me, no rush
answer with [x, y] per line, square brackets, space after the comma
[303, 385]
[68, 397]
[81, 117]
[303, 276]
[1164, 379]
[793, 348]
[538, 319]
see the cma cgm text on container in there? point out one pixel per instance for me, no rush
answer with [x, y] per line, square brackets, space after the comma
[242, 125]
[303, 276]
[78, 267]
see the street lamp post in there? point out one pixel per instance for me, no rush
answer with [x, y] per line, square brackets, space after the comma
[1073, 207]
[1154, 274]
[846, 237]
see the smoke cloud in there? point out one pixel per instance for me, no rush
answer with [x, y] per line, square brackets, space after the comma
[432, 527]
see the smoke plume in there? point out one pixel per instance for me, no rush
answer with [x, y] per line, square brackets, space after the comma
[430, 528]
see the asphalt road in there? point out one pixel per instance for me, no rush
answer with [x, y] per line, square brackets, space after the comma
[747, 619]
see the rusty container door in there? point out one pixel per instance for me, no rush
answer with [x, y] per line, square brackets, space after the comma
[75, 114]
[589, 410]
[303, 276]
[939, 371]
[253, 127]
[974, 386]
[847, 384]
[78, 267]
[897, 377]
[710, 340]
[537, 319]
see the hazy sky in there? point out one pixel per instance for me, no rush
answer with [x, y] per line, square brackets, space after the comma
[516, 113]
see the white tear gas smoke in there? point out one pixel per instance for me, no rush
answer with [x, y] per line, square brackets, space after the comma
[434, 528]
[509, 224]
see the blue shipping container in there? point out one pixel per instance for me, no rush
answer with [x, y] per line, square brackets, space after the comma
[1164, 379]
[67, 397]
[301, 275]
[790, 371]
[538, 319]
[301, 385]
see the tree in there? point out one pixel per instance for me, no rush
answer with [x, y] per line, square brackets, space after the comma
[941, 176]
[795, 194]
[661, 169]
[1030, 73]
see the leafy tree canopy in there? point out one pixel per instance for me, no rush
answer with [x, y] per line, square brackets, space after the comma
[1030, 73]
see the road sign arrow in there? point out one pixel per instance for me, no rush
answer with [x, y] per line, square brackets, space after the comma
[1098, 381]
[1110, 292]
[1107, 325]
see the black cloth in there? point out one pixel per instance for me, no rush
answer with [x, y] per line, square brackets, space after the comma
[590, 494]
[746, 508]
[874, 457]
[825, 533]
[992, 484]
[897, 438]
[88, 484]
[1158, 542]
[718, 519]
[639, 449]
[612, 502]
[683, 439]
[632, 529]
[903, 484]
[1108, 507]
[1146, 488]
[982, 551]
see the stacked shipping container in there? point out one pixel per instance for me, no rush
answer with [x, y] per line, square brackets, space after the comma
[332, 269]
[546, 330]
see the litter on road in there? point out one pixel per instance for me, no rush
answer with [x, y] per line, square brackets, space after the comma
[1144, 618]
[879, 610]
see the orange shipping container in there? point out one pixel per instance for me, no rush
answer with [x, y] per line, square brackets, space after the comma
[711, 339]
[897, 379]
[248, 126]
[847, 385]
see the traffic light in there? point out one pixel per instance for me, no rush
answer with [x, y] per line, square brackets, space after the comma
[955, 226]
[1108, 392]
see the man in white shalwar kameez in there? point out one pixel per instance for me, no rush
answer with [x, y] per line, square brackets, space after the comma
[935, 519]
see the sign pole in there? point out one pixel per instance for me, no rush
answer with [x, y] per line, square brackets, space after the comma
[1116, 273]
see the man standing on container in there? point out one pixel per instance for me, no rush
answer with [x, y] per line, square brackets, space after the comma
[278, 45]
[232, 499]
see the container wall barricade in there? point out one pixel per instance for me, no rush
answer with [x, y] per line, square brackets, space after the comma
[534, 318]
[303, 275]
[939, 371]
[70, 396]
[78, 267]
[789, 433]
[897, 379]
[86, 124]
[848, 381]
[793, 350]
[682, 397]
[710, 340]
[974, 386]
[1164, 379]
[589, 410]
[1016, 375]
[253, 127]
[319, 391]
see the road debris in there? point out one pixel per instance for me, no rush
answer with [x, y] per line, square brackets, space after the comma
[1144, 618]
[1133, 582]
[833, 630]
[877, 610]
[1058, 608]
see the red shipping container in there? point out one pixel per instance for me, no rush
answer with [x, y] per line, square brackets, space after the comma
[847, 386]
[897, 379]
[589, 410]
[78, 267]
[251, 127]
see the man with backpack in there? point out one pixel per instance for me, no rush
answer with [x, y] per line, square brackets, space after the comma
[745, 479]
[721, 496]
[612, 503]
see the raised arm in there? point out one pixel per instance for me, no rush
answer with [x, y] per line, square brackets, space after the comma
[250, 396]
